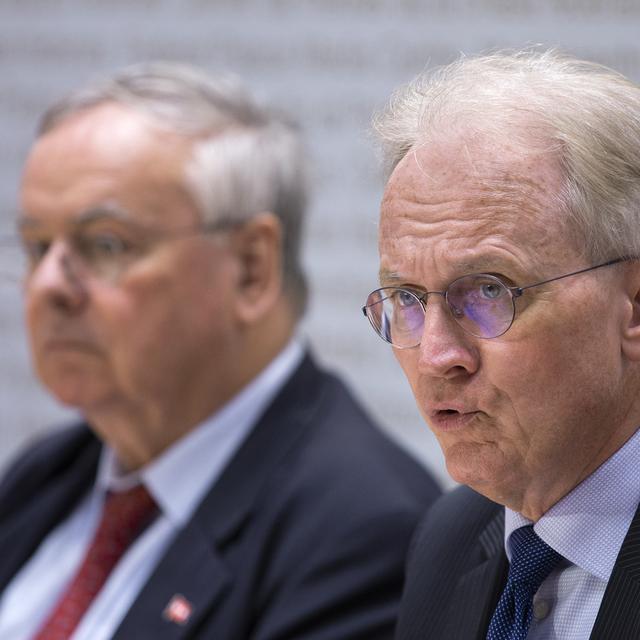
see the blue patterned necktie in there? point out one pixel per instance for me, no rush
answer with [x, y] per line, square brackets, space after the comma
[532, 560]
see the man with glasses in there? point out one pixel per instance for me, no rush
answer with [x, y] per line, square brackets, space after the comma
[220, 485]
[510, 293]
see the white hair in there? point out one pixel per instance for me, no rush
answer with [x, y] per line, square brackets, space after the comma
[246, 159]
[585, 113]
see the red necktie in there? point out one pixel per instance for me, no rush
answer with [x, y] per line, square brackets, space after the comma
[124, 517]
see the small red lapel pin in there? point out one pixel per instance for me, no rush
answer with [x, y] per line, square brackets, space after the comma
[178, 610]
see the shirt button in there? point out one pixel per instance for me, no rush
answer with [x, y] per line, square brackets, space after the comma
[541, 609]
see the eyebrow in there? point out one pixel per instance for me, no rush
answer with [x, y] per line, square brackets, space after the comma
[103, 211]
[483, 264]
[387, 277]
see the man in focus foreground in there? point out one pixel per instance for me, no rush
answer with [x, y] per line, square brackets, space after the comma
[509, 245]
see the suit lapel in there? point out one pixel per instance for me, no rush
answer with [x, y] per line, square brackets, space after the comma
[230, 501]
[477, 592]
[619, 614]
[59, 481]
[184, 587]
[194, 568]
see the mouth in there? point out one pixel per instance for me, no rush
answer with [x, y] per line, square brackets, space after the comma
[66, 344]
[452, 419]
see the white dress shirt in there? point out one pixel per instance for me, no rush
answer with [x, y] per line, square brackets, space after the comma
[587, 527]
[178, 480]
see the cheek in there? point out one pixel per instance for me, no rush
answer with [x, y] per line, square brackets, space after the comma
[139, 323]
[164, 327]
[35, 314]
[567, 374]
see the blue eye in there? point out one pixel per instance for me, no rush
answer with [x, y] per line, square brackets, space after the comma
[491, 290]
[405, 298]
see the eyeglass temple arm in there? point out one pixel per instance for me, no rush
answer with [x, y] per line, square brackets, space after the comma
[517, 291]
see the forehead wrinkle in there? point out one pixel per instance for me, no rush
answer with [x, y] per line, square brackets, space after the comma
[505, 198]
[472, 214]
[512, 188]
[516, 190]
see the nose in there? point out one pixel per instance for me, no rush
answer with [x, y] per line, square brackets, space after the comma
[55, 280]
[445, 350]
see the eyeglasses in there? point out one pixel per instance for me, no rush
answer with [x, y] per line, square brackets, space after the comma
[482, 304]
[103, 249]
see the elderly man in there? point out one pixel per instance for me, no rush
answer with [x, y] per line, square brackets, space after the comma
[222, 485]
[509, 233]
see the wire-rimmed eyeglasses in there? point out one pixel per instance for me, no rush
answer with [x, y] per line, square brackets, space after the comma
[103, 243]
[482, 304]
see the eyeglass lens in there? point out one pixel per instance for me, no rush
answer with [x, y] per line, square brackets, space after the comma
[104, 254]
[481, 304]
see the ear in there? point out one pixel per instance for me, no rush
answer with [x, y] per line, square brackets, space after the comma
[258, 248]
[631, 316]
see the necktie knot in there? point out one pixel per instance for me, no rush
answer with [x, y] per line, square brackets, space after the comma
[532, 560]
[125, 514]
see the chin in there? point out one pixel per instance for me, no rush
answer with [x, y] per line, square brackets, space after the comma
[465, 475]
[479, 470]
[73, 388]
[70, 395]
[499, 482]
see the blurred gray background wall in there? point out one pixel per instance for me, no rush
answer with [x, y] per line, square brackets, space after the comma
[327, 62]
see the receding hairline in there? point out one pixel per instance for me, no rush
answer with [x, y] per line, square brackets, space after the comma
[245, 156]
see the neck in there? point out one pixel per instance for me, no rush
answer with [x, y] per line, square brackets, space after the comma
[540, 497]
[139, 428]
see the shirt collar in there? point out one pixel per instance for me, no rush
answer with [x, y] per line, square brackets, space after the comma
[595, 515]
[179, 478]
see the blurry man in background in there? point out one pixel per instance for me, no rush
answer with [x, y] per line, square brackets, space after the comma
[509, 245]
[221, 486]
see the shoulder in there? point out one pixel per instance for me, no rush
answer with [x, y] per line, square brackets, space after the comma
[453, 525]
[48, 458]
[343, 458]
[333, 514]
[340, 491]
[459, 534]
[447, 542]
[461, 512]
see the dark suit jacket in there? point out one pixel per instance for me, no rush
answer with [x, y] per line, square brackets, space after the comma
[457, 570]
[304, 535]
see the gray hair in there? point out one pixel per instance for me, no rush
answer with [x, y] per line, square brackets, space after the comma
[246, 159]
[586, 114]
